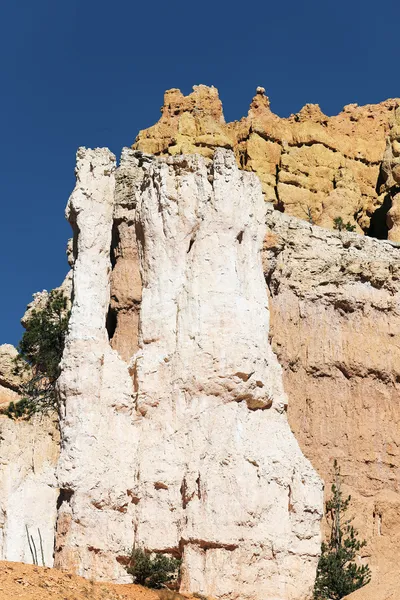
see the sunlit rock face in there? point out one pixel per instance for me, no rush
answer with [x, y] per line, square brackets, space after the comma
[173, 413]
[310, 165]
[98, 436]
[390, 178]
[183, 446]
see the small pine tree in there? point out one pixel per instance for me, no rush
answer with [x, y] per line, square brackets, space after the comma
[337, 573]
[340, 225]
[40, 352]
[153, 571]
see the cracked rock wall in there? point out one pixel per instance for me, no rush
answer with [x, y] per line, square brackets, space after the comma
[185, 446]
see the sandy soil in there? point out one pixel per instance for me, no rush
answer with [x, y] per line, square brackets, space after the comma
[27, 582]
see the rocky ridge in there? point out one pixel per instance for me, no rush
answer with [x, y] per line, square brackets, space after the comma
[310, 165]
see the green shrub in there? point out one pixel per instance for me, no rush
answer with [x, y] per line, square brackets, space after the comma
[40, 352]
[152, 570]
[337, 573]
[340, 225]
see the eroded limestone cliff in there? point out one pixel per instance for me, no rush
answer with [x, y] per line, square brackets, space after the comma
[185, 447]
[310, 165]
[28, 455]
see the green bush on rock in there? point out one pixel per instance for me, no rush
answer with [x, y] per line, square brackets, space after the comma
[40, 352]
[340, 225]
[153, 570]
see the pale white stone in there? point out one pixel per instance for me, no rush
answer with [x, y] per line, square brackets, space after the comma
[238, 496]
[28, 488]
[193, 456]
[98, 436]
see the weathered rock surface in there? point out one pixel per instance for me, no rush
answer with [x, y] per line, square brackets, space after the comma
[335, 302]
[187, 450]
[310, 165]
[385, 589]
[126, 283]
[28, 488]
[98, 438]
[40, 299]
[10, 382]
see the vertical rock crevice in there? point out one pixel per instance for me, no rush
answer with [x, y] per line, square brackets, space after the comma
[126, 285]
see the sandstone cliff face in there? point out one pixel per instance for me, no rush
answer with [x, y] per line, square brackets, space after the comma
[335, 300]
[310, 165]
[184, 447]
[98, 441]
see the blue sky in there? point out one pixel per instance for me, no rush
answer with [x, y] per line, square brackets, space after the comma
[92, 73]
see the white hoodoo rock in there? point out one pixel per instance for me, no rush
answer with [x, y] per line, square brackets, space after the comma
[187, 450]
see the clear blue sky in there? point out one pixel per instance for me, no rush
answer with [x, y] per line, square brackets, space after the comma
[92, 73]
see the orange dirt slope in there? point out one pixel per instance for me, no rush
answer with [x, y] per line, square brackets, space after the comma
[27, 582]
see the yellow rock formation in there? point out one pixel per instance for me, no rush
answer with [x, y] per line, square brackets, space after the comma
[310, 165]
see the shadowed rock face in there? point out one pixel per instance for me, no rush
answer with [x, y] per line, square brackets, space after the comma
[310, 165]
[186, 449]
[390, 178]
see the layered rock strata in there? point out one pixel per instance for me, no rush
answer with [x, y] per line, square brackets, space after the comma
[310, 165]
[335, 327]
[184, 447]
[157, 368]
